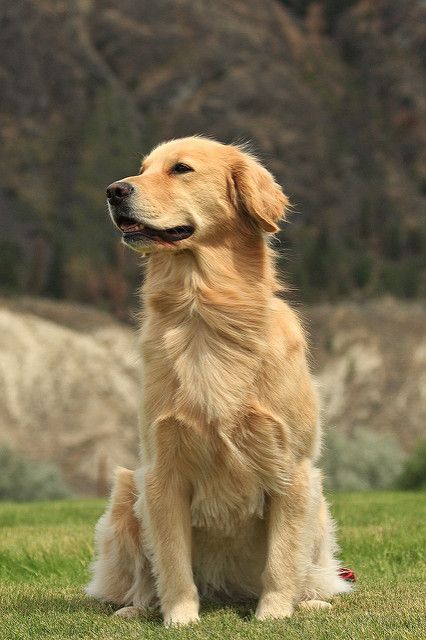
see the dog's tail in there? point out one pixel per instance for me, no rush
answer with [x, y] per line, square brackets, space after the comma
[324, 576]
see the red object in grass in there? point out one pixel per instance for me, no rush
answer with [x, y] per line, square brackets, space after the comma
[347, 574]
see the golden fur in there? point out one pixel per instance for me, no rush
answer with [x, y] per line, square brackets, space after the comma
[227, 499]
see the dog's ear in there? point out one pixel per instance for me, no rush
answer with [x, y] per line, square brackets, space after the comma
[255, 193]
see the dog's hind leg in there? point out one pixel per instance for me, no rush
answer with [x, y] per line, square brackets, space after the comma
[121, 573]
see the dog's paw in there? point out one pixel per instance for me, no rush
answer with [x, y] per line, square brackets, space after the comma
[273, 606]
[181, 614]
[128, 612]
[315, 604]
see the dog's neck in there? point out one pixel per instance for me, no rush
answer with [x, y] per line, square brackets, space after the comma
[238, 268]
[209, 310]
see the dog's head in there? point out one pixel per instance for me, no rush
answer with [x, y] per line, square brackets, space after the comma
[191, 190]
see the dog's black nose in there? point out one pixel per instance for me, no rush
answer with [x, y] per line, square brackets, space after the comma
[117, 191]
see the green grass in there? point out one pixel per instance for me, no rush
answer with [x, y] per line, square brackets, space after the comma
[45, 549]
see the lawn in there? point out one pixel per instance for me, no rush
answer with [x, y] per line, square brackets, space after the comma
[45, 549]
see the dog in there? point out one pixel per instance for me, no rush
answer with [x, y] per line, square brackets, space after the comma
[228, 499]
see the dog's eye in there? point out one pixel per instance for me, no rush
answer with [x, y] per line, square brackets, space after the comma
[180, 167]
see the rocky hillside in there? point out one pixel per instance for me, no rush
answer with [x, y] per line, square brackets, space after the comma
[69, 379]
[332, 94]
[370, 360]
[68, 388]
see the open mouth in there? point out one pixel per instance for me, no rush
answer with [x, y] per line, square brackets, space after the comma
[134, 231]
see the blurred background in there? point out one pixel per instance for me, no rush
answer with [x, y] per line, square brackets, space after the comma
[332, 96]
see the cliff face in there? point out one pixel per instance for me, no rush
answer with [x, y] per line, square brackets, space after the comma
[69, 389]
[333, 99]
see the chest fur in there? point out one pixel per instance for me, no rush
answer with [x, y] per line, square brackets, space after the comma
[233, 468]
[203, 368]
[203, 354]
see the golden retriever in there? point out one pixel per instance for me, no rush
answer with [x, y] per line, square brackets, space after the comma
[227, 498]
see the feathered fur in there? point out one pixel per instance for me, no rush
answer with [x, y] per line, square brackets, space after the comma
[227, 498]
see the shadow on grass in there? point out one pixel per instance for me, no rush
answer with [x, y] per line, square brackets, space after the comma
[73, 604]
[244, 609]
[85, 605]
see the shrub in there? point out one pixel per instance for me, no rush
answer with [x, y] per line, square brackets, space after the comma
[413, 474]
[22, 478]
[362, 461]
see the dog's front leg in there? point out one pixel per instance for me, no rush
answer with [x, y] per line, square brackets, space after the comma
[168, 523]
[288, 549]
